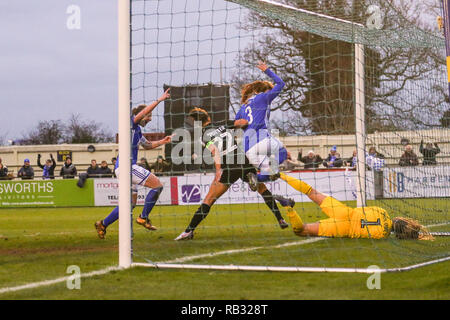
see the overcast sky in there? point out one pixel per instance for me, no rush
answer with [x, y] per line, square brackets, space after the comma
[48, 71]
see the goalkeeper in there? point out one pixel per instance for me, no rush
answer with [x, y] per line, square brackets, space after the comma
[346, 222]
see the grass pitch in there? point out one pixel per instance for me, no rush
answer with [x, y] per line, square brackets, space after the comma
[39, 244]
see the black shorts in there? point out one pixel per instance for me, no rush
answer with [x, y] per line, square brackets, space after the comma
[231, 174]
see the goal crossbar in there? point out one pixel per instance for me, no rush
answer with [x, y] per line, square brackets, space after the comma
[341, 29]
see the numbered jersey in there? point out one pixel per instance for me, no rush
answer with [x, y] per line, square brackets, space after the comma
[347, 222]
[370, 222]
[221, 134]
[257, 112]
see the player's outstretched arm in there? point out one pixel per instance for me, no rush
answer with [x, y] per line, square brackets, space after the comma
[148, 145]
[279, 83]
[152, 106]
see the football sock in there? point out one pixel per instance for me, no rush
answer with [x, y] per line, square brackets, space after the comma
[150, 201]
[294, 218]
[270, 202]
[284, 202]
[199, 215]
[299, 185]
[113, 216]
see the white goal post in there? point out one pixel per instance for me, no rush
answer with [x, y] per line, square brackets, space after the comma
[124, 101]
[360, 124]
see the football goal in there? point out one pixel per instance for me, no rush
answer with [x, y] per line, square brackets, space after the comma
[363, 115]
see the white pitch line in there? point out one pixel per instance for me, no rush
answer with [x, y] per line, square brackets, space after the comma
[214, 254]
[170, 264]
[285, 269]
[287, 244]
[58, 280]
[66, 233]
[438, 225]
[183, 259]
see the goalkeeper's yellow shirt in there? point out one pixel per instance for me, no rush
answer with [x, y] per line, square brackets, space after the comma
[370, 222]
[365, 222]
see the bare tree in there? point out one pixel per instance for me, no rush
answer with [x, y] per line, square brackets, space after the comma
[3, 139]
[46, 132]
[79, 131]
[74, 131]
[402, 85]
[445, 120]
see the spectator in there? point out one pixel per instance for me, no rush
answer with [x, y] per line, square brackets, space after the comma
[334, 159]
[374, 163]
[311, 160]
[3, 171]
[374, 153]
[104, 171]
[48, 170]
[26, 172]
[93, 170]
[374, 159]
[353, 160]
[429, 153]
[160, 165]
[408, 158]
[68, 170]
[289, 164]
[144, 164]
[113, 161]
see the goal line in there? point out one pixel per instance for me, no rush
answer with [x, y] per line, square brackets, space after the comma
[285, 269]
[178, 263]
[172, 264]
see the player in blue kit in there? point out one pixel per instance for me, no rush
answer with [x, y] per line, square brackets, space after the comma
[141, 115]
[265, 152]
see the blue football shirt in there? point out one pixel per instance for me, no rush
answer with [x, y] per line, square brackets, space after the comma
[136, 138]
[257, 112]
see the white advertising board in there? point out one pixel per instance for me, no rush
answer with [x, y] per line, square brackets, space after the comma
[106, 192]
[339, 184]
[417, 182]
[192, 189]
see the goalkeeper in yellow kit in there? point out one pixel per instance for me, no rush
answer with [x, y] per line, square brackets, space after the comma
[346, 222]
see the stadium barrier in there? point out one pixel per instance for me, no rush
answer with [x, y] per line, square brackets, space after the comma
[388, 143]
[417, 182]
[401, 182]
[178, 190]
[46, 193]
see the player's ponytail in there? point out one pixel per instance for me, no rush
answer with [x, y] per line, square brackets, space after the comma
[405, 228]
[255, 87]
